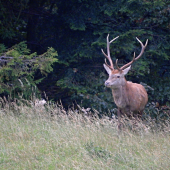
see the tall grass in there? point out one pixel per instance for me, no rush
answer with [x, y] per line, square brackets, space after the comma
[30, 138]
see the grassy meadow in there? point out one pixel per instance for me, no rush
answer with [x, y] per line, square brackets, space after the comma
[30, 138]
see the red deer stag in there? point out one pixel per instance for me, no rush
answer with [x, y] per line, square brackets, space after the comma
[129, 97]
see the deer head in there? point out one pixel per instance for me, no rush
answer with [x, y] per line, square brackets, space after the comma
[117, 76]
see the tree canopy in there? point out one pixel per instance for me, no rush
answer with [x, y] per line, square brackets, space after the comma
[77, 30]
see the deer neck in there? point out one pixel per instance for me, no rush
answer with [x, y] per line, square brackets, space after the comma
[120, 95]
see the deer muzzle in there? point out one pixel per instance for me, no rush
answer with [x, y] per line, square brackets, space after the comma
[107, 84]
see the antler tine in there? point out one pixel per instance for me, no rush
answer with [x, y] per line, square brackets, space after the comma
[136, 58]
[108, 52]
[108, 64]
[117, 65]
[111, 66]
[143, 48]
[114, 39]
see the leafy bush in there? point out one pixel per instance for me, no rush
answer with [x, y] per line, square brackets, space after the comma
[21, 70]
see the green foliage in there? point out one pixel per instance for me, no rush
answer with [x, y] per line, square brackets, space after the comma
[88, 88]
[161, 91]
[2, 48]
[87, 33]
[19, 68]
[77, 29]
[12, 22]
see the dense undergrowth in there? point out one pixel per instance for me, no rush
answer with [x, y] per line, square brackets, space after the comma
[34, 136]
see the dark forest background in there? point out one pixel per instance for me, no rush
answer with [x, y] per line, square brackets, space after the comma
[52, 48]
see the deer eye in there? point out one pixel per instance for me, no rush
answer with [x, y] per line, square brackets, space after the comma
[118, 76]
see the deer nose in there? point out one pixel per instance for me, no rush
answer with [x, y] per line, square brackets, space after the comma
[106, 83]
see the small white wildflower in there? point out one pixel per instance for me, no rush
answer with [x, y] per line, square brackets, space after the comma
[40, 102]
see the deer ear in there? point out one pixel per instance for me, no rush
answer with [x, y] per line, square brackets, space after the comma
[125, 71]
[109, 71]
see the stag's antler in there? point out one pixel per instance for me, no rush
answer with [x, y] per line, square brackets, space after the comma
[134, 58]
[108, 52]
